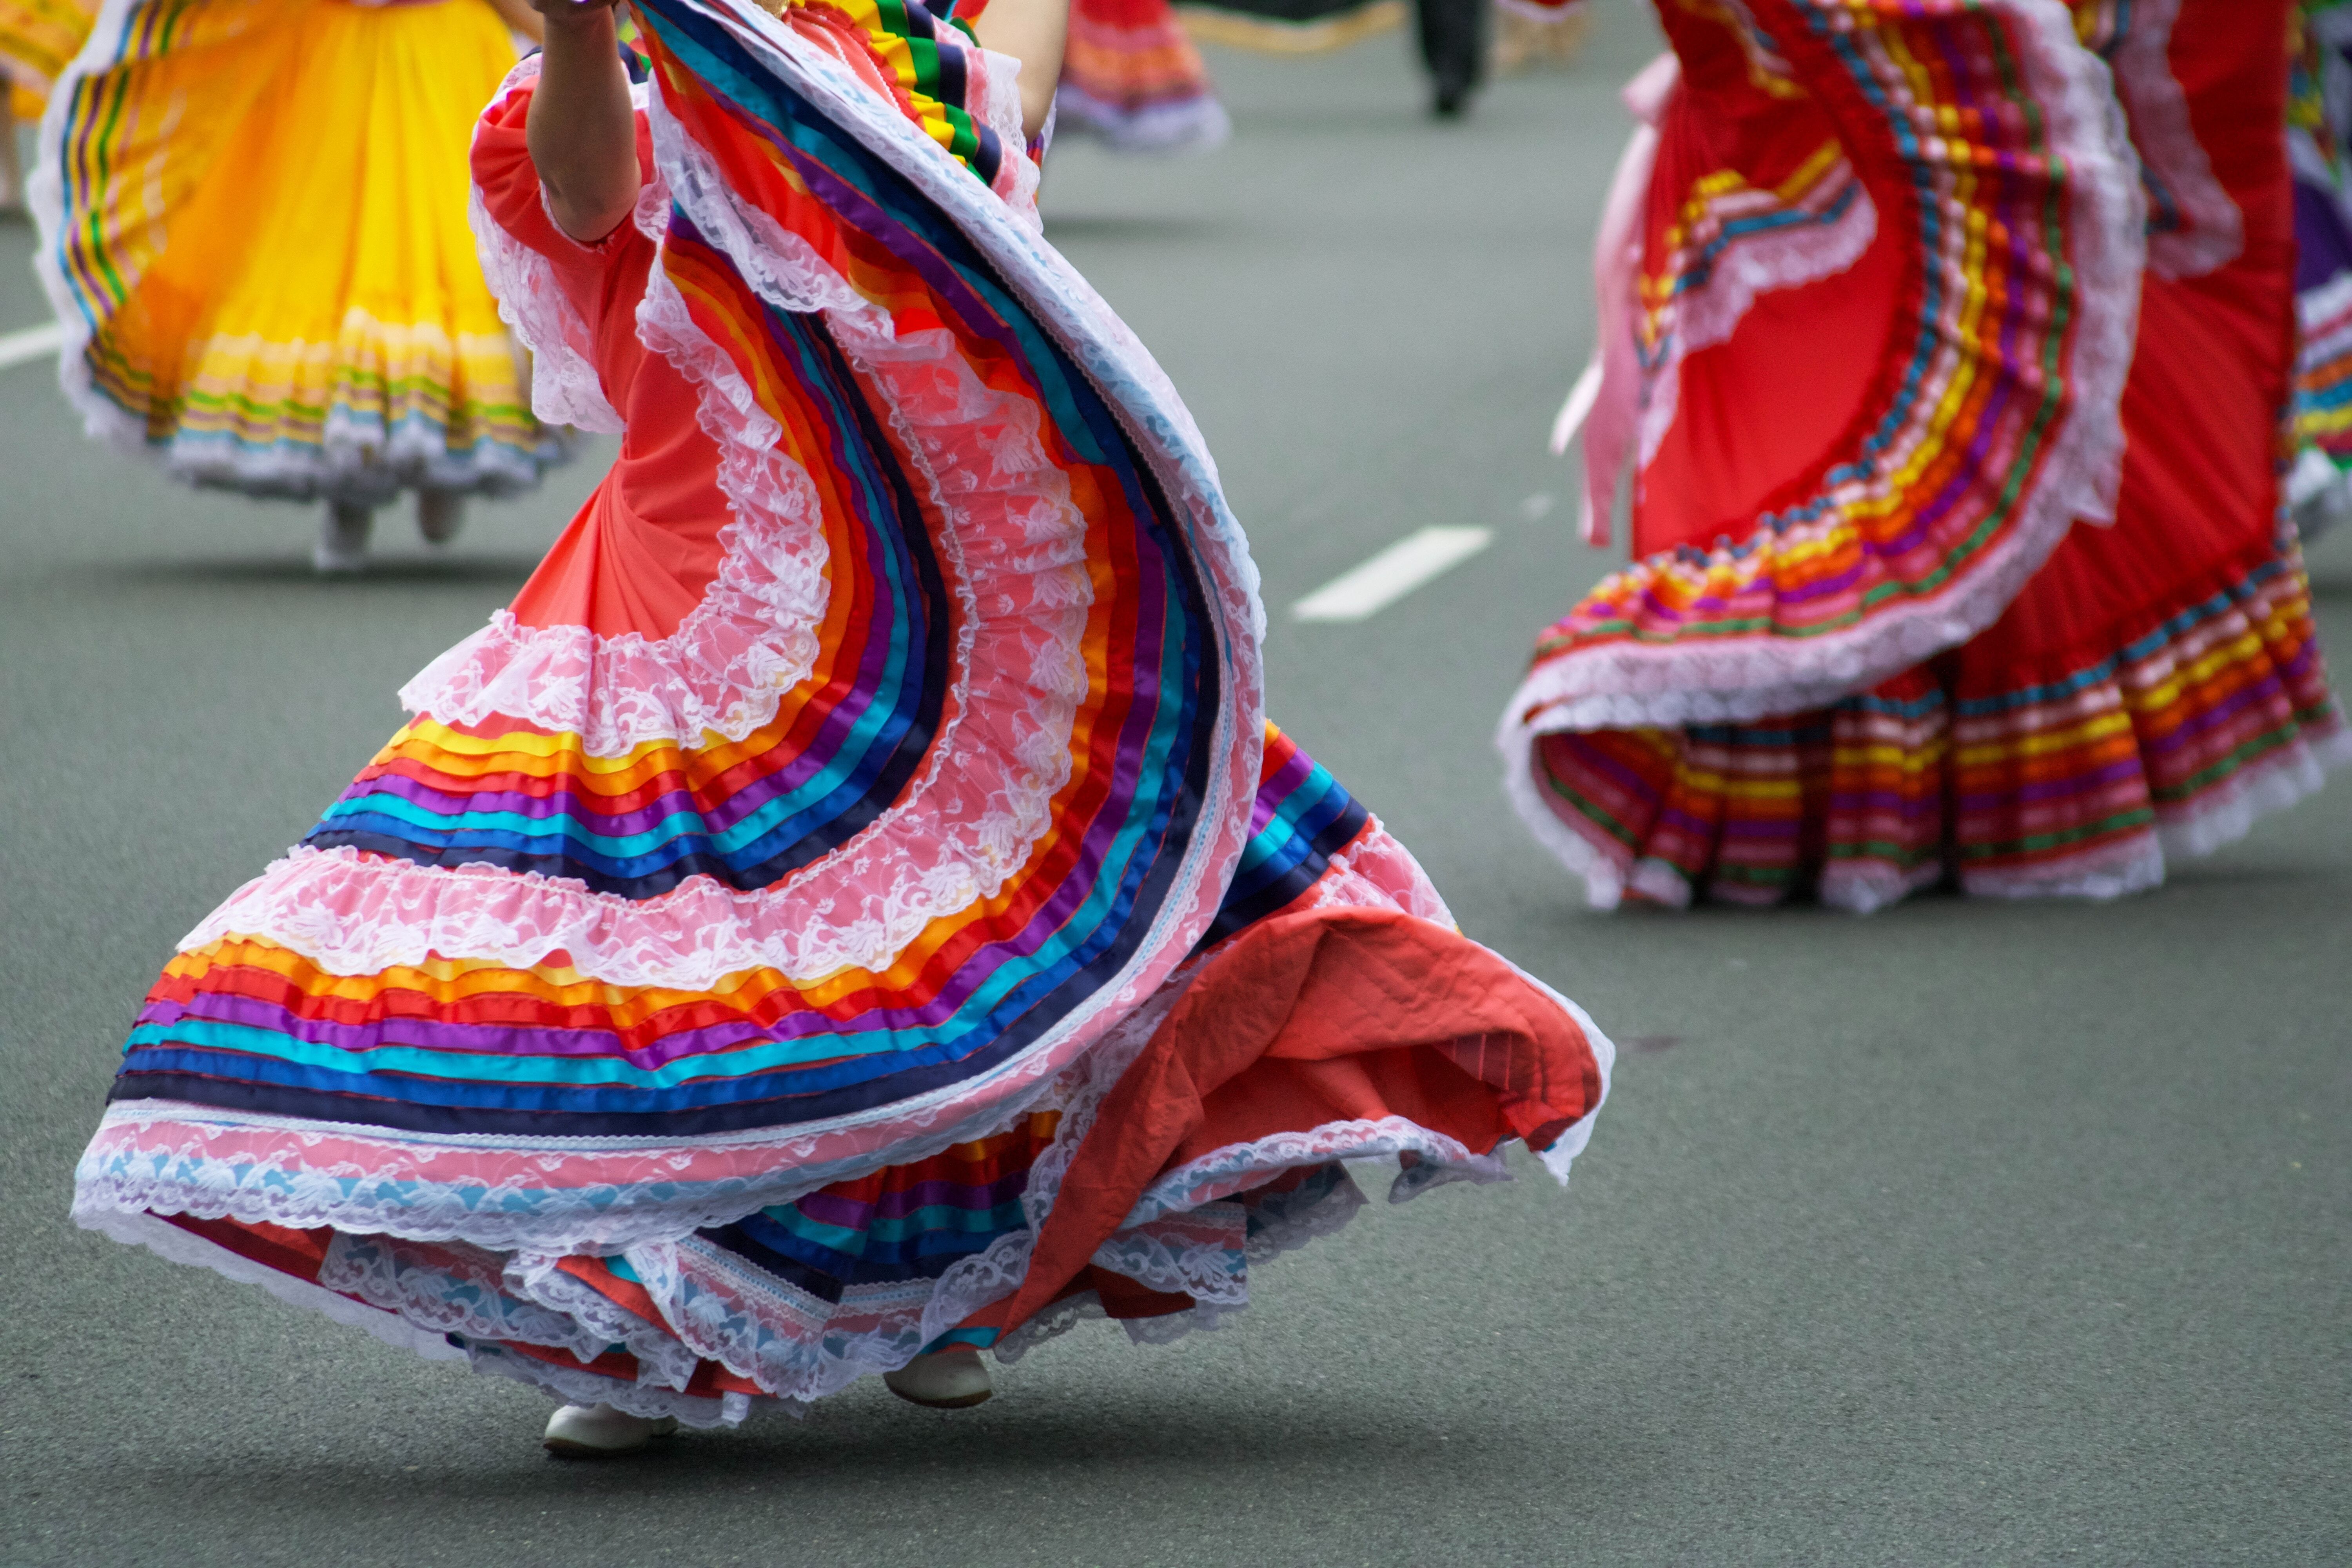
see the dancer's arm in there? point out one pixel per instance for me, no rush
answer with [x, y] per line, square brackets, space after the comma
[582, 132]
[1032, 32]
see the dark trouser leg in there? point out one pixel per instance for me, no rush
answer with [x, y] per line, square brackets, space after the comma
[1454, 46]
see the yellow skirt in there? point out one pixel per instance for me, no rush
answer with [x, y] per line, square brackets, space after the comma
[36, 38]
[254, 227]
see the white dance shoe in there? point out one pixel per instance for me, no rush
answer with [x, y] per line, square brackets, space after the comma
[342, 538]
[599, 1431]
[949, 1380]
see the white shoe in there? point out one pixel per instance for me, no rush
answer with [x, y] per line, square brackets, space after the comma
[949, 1380]
[599, 1431]
[343, 538]
[440, 514]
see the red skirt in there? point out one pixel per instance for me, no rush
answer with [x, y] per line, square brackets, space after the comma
[1957, 507]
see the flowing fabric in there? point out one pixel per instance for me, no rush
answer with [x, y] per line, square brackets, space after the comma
[1998, 590]
[38, 38]
[862, 832]
[252, 226]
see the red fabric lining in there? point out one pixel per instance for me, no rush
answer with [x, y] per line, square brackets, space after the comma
[1305, 1020]
[2210, 383]
[294, 1253]
[1853, 362]
[1821, 348]
[639, 555]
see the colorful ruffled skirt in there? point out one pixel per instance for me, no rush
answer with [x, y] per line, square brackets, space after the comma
[1959, 550]
[924, 941]
[254, 227]
[1131, 77]
[38, 38]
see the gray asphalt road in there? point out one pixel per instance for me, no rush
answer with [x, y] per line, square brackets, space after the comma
[1965, 1233]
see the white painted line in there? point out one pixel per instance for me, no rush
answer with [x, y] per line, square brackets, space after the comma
[1367, 590]
[33, 342]
[1581, 397]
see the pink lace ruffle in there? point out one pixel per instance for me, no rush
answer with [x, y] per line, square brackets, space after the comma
[447, 1236]
[2213, 231]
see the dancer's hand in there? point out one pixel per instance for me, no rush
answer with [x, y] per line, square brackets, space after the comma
[583, 131]
[1032, 32]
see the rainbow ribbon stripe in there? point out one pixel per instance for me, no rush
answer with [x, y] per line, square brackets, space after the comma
[469, 1043]
[926, 58]
[456, 1043]
[1962, 422]
[37, 37]
[1883, 787]
[1303, 818]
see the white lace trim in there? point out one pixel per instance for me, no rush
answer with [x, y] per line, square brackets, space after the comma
[174, 1245]
[998, 108]
[579, 1386]
[663, 1360]
[724, 671]
[1288, 1221]
[958, 833]
[2168, 150]
[2114, 870]
[448, 1287]
[1236, 1168]
[2229, 812]
[1618, 685]
[798, 1349]
[1282, 1229]
[793, 1345]
[1703, 317]
[1374, 872]
[564, 386]
[1433, 1160]
[2111, 871]
[1604, 876]
[1079, 320]
[507, 1193]
[1201, 1253]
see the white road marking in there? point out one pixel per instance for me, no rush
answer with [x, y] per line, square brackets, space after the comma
[1418, 558]
[1578, 409]
[33, 342]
